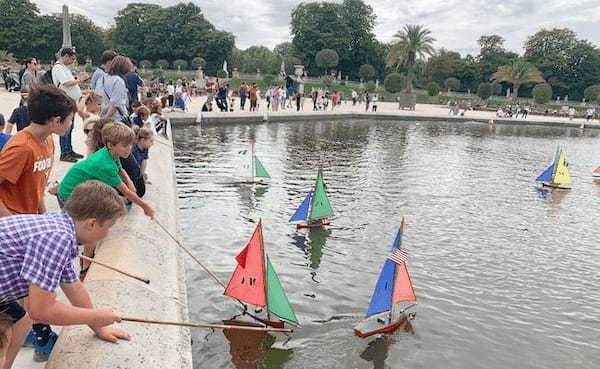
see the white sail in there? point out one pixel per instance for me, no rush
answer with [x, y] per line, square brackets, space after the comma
[245, 167]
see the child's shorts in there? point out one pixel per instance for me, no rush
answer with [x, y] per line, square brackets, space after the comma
[13, 309]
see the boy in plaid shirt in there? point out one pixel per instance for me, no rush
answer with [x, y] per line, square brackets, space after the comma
[36, 257]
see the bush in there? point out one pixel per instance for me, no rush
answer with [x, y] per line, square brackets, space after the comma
[89, 68]
[221, 74]
[328, 81]
[496, 88]
[433, 89]
[370, 86]
[180, 64]
[366, 72]
[268, 79]
[394, 82]
[484, 90]
[542, 93]
[591, 93]
[162, 64]
[158, 73]
[452, 84]
[327, 58]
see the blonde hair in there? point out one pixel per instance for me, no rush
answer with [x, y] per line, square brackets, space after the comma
[94, 199]
[93, 97]
[142, 133]
[116, 133]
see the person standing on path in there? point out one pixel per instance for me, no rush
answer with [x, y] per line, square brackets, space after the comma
[243, 91]
[30, 75]
[63, 78]
[107, 57]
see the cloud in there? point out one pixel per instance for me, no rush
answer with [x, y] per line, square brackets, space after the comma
[455, 24]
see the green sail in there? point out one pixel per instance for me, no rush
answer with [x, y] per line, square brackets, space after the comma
[276, 298]
[321, 207]
[259, 169]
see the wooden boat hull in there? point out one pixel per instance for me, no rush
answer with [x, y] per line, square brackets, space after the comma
[556, 186]
[368, 328]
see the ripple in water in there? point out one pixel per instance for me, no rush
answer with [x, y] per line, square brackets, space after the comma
[506, 275]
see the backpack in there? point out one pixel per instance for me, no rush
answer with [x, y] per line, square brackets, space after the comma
[46, 78]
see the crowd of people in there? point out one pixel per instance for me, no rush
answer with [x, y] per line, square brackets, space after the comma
[38, 247]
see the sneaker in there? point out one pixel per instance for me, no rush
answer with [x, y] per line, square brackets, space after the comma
[68, 158]
[30, 339]
[42, 353]
[76, 155]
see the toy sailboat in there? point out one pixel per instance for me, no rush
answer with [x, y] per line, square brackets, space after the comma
[315, 209]
[255, 282]
[250, 168]
[557, 175]
[596, 172]
[392, 297]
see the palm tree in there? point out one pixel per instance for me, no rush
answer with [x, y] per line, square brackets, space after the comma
[414, 41]
[520, 72]
[5, 56]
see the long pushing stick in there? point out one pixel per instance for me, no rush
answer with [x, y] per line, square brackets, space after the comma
[207, 325]
[189, 253]
[147, 281]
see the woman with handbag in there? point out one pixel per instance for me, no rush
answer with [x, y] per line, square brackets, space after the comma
[114, 91]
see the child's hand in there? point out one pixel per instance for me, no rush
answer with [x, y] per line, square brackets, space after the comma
[148, 211]
[111, 334]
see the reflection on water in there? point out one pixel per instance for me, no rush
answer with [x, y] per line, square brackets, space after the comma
[506, 275]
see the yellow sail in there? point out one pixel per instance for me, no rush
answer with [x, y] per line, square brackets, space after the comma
[561, 174]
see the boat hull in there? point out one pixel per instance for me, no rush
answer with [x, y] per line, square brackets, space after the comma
[368, 328]
[316, 225]
[557, 186]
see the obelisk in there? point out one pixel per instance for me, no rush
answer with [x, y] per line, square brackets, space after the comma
[66, 27]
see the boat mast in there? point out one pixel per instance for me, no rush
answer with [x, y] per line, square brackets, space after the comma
[262, 249]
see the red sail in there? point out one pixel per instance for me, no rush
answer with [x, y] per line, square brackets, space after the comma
[247, 283]
[403, 289]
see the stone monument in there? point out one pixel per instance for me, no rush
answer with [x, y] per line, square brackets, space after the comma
[66, 27]
[299, 72]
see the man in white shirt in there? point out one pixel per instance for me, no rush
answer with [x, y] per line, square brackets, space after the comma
[63, 78]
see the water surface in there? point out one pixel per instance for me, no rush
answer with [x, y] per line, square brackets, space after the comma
[506, 276]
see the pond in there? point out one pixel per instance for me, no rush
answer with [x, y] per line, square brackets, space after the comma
[506, 275]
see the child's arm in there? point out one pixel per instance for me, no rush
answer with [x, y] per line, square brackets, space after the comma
[134, 198]
[128, 182]
[43, 307]
[78, 296]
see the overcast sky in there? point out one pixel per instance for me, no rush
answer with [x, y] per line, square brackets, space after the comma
[455, 24]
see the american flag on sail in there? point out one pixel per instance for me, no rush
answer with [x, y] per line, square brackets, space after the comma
[398, 256]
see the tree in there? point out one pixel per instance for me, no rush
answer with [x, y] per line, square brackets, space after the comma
[496, 88]
[367, 72]
[198, 62]
[591, 93]
[326, 59]
[221, 73]
[518, 73]
[162, 64]
[290, 62]
[484, 90]
[542, 93]
[393, 82]
[268, 79]
[433, 89]
[414, 41]
[18, 24]
[440, 66]
[452, 84]
[145, 64]
[180, 64]
[491, 44]
[287, 49]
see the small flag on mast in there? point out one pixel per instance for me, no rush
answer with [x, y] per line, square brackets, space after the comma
[398, 256]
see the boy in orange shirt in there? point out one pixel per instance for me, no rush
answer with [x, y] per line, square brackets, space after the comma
[25, 165]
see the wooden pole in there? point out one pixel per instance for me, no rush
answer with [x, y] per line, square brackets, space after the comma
[147, 281]
[207, 325]
[190, 253]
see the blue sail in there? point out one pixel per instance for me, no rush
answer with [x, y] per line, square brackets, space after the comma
[398, 239]
[382, 296]
[302, 211]
[546, 176]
